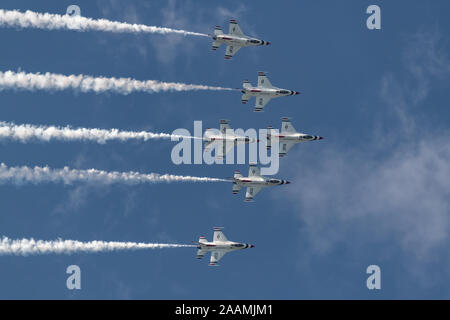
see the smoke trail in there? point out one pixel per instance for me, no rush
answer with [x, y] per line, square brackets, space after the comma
[84, 83]
[30, 19]
[27, 132]
[21, 175]
[24, 247]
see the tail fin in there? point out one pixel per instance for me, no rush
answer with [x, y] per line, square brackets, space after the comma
[245, 98]
[236, 188]
[215, 45]
[218, 31]
[224, 126]
[269, 140]
[201, 253]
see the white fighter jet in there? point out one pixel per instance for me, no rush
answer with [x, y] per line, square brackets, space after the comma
[263, 92]
[224, 140]
[288, 137]
[235, 39]
[254, 182]
[218, 247]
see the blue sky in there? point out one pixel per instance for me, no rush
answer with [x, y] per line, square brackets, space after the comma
[375, 191]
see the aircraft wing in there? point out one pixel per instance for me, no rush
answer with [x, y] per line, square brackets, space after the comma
[209, 145]
[216, 255]
[225, 147]
[285, 147]
[254, 171]
[235, 29]
[263, 80]
[231, 50]
[251, 193]
[286, 126]
[218, 235]
[261, 102]
[221, 147]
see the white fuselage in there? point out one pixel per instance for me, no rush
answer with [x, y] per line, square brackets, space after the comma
[258, 181]
[227, 138]
[295, 137]
[241, 41]
[223, 245]
[271, 92]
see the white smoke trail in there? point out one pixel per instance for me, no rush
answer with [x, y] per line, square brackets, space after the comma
[84, 83]
[24, 174]
[25, 247]
[27, 132]
[30, 19]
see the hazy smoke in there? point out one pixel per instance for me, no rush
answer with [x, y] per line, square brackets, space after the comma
[30, 19]
[27, 132]
[24, 174]
[84, 83]
[24, 247]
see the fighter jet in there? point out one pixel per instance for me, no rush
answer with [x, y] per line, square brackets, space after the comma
[288, 137]
[254, 182]
[235, 39]
[263, 92]
[218, 247]
[224, 140]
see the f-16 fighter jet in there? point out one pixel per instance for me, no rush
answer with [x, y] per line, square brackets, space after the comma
[235, 39]
[288, 137]
[218, 247]
[225, 140]
[254, 182]
[263, 92]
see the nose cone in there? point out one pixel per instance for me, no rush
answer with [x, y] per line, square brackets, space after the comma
[252, 246]
[267, 43]
[296, 92]
[320, 138]
[287, 182]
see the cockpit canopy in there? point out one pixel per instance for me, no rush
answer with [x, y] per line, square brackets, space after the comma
[254, 41]
[238, 245]
[274, 180]
[308, 137]
[284, 91]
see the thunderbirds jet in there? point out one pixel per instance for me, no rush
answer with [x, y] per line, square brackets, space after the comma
[226, 139]
[254, 182]
[289, 137]
[235, 39]
[263, 92]
[218, 247]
